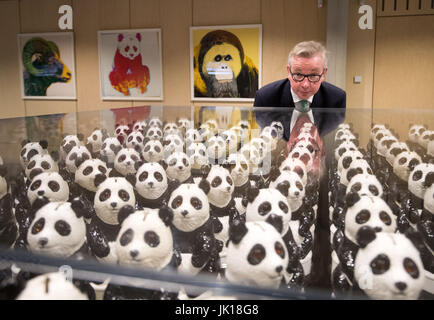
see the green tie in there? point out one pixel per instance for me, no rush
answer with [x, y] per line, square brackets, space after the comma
[303, 106]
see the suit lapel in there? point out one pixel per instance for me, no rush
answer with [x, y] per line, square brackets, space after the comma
[316, 107]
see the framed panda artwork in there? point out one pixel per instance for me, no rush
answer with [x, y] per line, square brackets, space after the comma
[225, 62]
[47, 68]
[130, 64]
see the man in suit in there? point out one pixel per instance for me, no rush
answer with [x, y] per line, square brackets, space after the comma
[303, 91]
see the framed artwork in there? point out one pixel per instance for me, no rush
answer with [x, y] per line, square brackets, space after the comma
[130, 64]
[47, 66]
[225, 62]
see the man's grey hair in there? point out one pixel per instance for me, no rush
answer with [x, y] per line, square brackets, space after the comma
[308, 49]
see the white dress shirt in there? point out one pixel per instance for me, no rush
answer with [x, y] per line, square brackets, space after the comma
[295, 113]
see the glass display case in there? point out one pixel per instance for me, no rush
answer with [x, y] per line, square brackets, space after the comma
[280, 210]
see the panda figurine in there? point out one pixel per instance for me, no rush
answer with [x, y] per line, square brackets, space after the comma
[126, 162]
[152, 186]
[30, 149]
[153, 150]
[193, 229]
[140, 126]
[302, 216]
[54, 286]
[75, 157]
[154, 133]
[95, 141]
[135, 141]
[216, 150]
[239, 168]
[111, 195]
[256, 255]
[109, 149]
[41, 163]
[420, 178]
[89, 175]
[198, 159]
[145, 241]
[360, 211]
[388, 266]
[50, 185]
[122, 131]
[271, 206]
[178, 167]
[58, 229]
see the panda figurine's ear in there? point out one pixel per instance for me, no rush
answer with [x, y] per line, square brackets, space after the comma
[346, 162]
[416, 238]
[39, 203]
[138, 164]
[365, 236]
[43, 144]
[204, 185]
[252, 194]
[99, 178]
[124, 212]
[82, 207]
[117, 149]
[275, 221]
[237, 230]
[163, 164]
[105, 134]
[131, 178]
[89, 147]
[24, 142]
[205, 169]
[283, 188]
[55, 155]
[429, 180]
[80, 136]
[166, 214]
[3, 171]
[351, 198]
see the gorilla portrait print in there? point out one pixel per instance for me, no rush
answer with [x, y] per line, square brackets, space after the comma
[226, 62]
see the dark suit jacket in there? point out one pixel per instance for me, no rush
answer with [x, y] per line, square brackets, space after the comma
[328, 106]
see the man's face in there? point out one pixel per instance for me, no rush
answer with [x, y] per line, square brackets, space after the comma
[306, 66]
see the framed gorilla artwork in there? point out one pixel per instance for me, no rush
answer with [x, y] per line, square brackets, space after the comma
[225, 62]
[47, 67]
[130, 64]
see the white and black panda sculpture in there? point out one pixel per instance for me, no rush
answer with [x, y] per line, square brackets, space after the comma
[193, 229]
[126, 162]
[30, 149]
[144, 241]
[122, 131]
[89, 175]
[95, 141]
[53, 286]
[178, 167]
[256, 255]
[109, 149]
[198, 159]
[50, 185]
[360, 211]
[111, 195]
[153, 150]
[270, 205]
[388, 266]
[58, 229]
[75, 157]
[70, 141]
[135, 141]
[153, 188]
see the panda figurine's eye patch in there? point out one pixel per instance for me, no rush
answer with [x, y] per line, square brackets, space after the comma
[63, 228]
[196, 203]
[356, 187]
[143, 176]
[216, 182]
[152, 239]
[23, 152]
[124, 195]
[264, 208]
[299, 185]
[54, 186]
[87, 171]
[45, 165]
[122, 158]
[172, 162]
[411, 268]
[102, 169]
[31, 164]
[229, 180]
[73, 156]
[363, 216]
[278, 247]
[35, 185]
[380, 264]
[38, 226]
[126, 237]
[148, 147]
[104, 195]
[374, 190]
[256, 254]
[384, 217]
[32, 153]
[157, 149]
[185, 162]
[177, 202]
[403, 160]
[299, 171]
[283, 207]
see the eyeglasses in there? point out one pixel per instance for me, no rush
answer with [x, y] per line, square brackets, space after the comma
[299, 77]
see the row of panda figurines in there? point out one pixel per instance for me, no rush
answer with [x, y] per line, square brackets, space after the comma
[52, 204]
[381, 217]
